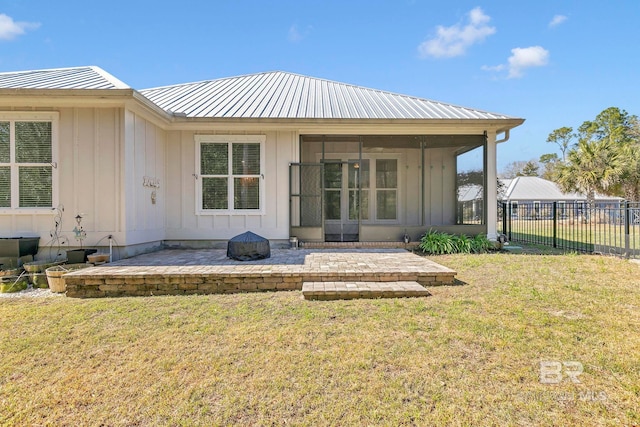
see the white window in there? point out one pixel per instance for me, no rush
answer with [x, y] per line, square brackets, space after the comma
[27, 166]
[231, 173]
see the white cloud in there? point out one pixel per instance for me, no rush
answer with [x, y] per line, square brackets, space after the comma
[521, 58]
[10, 29]
[526, 57]
[493, 67]
[557, 20]
[295, 35]
[454, 40]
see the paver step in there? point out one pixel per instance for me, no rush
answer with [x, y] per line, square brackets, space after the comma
[353, 290]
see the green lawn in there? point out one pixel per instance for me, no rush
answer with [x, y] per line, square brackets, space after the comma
[467, 355]
[575, 235]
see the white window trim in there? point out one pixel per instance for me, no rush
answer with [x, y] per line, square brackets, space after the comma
[30, 116]
[261, 139]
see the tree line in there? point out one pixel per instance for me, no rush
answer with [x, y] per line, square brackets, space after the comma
[600, 156]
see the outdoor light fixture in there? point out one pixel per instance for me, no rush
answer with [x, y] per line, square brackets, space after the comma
[79, 231]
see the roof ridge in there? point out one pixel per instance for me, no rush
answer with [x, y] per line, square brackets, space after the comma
[47, 69]
[119, 84]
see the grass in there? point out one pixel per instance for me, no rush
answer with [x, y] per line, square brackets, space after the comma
[468, 355]
[575, 235]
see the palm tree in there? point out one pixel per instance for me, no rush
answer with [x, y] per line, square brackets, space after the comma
[629, 177]
[591, 166]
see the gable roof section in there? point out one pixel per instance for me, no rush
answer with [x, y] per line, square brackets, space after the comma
[283, 95]
[89, 77]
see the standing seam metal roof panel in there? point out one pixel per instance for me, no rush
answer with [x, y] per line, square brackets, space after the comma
[61, 78]
[287, 95]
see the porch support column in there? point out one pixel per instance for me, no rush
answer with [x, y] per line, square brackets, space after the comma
[491, 189]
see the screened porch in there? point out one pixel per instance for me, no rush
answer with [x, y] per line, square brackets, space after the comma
[384, 187]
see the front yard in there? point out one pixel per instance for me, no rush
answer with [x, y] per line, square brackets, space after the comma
[467, 355]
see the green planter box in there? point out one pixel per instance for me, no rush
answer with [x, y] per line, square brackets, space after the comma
[79, 256]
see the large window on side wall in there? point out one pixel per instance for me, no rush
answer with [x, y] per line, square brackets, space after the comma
[230, 174]
[470, 185]
[27, 167]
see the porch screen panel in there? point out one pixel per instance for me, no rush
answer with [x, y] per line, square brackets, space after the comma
[311, 196]
[359, 176]
[387, 189]
[470, 187]
[306, 195]
[333, 190]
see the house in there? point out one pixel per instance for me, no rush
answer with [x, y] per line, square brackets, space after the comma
[195, 164]
[531, 197]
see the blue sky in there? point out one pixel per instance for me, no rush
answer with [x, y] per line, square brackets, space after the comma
[554, 63]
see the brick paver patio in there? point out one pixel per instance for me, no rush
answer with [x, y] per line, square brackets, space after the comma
[203, 271]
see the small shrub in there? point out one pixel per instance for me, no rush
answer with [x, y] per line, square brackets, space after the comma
[437, 243]
[441, 243]
[481, 244]
[462, 243]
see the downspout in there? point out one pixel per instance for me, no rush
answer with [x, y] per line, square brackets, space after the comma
[506, 137]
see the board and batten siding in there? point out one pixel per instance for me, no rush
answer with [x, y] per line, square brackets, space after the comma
[440, 184]
[144, 161]
[183, 223]
[88, 168]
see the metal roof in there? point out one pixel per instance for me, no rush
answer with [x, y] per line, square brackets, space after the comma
[292, 96]
[61, 78]
[538, 189]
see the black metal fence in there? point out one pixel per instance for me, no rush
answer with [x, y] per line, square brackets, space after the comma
[611, 228]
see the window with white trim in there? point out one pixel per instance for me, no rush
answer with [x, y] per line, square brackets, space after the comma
[26, 161]
[231, 173]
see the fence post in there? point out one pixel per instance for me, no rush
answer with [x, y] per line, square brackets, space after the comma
[504, 218]
[508, 206]
[627, 231]
[555, 224]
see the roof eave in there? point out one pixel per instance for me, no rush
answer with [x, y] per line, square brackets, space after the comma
[195, 123]
[66, 92]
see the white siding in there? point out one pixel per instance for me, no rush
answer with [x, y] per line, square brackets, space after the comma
[440, 175]
[89, 168]
[182, 222]
[144, 156]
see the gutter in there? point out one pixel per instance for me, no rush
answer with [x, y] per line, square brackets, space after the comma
[506, 137]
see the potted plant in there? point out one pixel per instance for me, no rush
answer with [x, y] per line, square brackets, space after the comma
[36, 270]
[79, 256]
